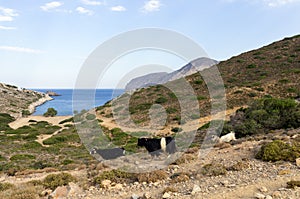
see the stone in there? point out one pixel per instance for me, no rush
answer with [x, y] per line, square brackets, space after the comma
[196, 189]
[146, 196]
[268, 197]
[263, 189]
[46, 192]
[276, 194]
[59, 192]
[298, 162]
[134, 196]
[259, 196]
[74, 189]
[118, 186]
[106, 183]
[166, 195]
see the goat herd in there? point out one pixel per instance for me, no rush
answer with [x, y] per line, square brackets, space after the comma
[155, 146]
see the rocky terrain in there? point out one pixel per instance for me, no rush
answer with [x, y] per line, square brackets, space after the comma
[48, 159]
[17, 101]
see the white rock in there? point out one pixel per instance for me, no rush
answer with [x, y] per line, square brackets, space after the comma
[166, 195]
[263, 189]
[118, 186]
[268, 197]
[259, 196]
[196, 189]
[147, 196]
[298, 162]
[134, 196]
[106, 183]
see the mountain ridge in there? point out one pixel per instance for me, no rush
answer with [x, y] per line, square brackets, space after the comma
[162, 77]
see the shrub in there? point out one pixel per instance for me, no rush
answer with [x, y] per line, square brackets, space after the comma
[25, 113]
[115, 176]
[152, 176]
[53, 181]
[171, 110]
[90, 116]
[278, 150]
[67, 120]
[161, 100]
[198, 82]
[292, 184]
[51, 112]
[4, 186]
[213, 169]
[4, 120]
[22, 157]
[176, 129]
[55, 140]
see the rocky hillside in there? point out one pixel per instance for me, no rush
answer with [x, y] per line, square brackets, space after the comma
[17, 101]
[270, 71]
[161, 78]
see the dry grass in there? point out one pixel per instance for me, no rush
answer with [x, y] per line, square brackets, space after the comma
[153, 176]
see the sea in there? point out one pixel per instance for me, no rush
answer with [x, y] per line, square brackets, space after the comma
[84, 99]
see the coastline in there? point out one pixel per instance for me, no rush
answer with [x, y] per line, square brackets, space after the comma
[41, 101]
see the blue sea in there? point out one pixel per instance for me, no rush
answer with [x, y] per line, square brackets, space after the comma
[85, 99]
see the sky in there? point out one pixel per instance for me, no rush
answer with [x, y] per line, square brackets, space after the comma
[43, 44]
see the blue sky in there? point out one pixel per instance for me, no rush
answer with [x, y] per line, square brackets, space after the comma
[44, 43]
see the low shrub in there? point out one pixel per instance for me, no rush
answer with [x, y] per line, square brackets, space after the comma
[293, 184]
[176, 129]
[161, 100]
[4, 186]
[152, 176]
[115, 176]
[278, 150]
[53, 181]
[22, 157]
[213, 169]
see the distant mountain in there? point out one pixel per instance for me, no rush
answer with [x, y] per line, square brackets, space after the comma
[161, 78]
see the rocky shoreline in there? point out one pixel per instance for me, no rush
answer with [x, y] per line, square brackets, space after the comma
[41, 101]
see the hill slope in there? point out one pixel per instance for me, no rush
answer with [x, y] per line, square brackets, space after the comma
[272, 70]
[14, 100]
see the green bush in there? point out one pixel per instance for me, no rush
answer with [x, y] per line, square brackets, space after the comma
[25, 113]
[55, 140]
[176, 129]
[51, 112]
[22, 157]
[53, 181]
[161, 100]
[90, 116]
[5, 119]
[264, 115]
[278, 150]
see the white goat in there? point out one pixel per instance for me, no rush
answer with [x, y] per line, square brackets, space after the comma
[228, 137]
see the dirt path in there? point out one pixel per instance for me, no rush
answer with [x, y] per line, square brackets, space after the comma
[25, 120]
[110, 123]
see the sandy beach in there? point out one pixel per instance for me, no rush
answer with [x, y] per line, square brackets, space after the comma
[25, 120]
